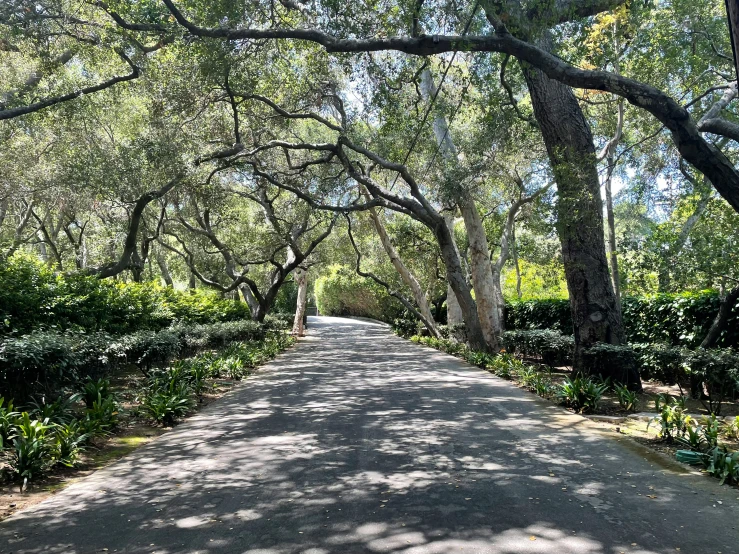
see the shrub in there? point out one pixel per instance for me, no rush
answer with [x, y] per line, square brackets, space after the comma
[551, 314]
[32, 451]
[617, 363]
[674, 319]
[718, 371]
[8, 419]
[405, 327]
[660, 361]
[94, 390]
[33, 297]
[626, 398]
[673, 420]
[167, 404]
[582, 394]
[58, 412]
[552, 347]
[505, 366]
[69, 441]
[101, 417]
[724, 464]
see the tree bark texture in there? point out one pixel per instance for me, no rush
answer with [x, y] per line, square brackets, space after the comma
[405, 274]
[301, 278]
[482, 278]
[453, 309]
[569, 143]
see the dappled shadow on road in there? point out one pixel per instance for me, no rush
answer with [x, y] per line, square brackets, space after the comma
[356, 441]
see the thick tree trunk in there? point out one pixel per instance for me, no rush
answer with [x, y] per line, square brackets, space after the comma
[453, 309]
[482, 276]
[572, 156]
[301, 278]
[408, 278]
[482, 279]
[460, 288]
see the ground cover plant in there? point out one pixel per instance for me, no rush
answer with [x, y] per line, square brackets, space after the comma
[44, 435]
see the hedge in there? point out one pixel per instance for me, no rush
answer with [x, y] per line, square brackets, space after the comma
[46, 361]
[33, 297]
[675, 319]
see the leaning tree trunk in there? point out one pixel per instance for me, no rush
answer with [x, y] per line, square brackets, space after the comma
[458, 284]
[453, 309]
[408, 278]
[163, 267]
[301, 278]
[572, 156]
[482, 276]
[612, 251]
[482, 279]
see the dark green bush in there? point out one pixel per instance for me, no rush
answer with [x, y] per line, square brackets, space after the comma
[554, 348]
[44, 362]
[675, 319]
[405, 328]
[718, 371]
[660, 361]
[582, 394]
[539, 314]
[617, 363]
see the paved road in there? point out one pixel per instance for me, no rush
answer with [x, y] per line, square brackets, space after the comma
[358, 441]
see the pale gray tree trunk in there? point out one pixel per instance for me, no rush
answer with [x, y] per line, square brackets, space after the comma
[301, 278]
[163, 267]
[405, 274]
[479, 252]
[453, 309]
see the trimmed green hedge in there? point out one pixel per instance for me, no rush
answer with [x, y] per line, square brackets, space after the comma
[676, 319]
[46, 361]
[33, 297]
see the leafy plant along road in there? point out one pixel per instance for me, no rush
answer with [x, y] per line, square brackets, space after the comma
[358, 441]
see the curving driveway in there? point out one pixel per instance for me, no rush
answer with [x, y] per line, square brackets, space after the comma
[358, 441]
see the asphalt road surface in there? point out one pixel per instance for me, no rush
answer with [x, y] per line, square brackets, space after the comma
[358, 441]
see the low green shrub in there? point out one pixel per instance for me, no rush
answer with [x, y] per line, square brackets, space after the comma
[34, 297]
[405, 328]
[58, 412]
[673, 420]
[93, 390]
[167, 404]
[724, 464]
[660, 361]
[554, 348]
[32, 451]
[617, 363]
[675, 319]
[506, 366]
[69, 443]
[718, 372]
[582, 394]
[8, 419]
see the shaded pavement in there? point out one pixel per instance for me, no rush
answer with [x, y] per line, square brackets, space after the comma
[358, 441]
